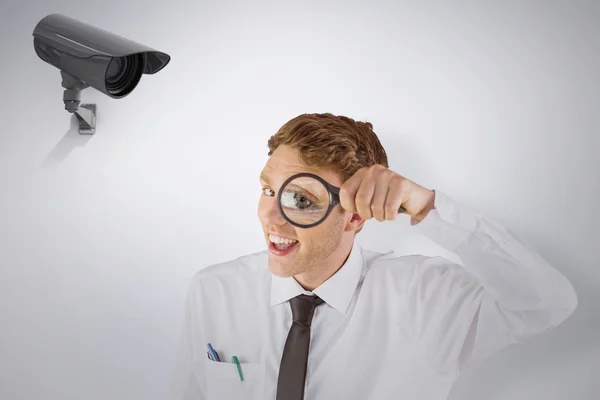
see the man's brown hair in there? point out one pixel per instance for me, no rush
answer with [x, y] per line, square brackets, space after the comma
[332, 142]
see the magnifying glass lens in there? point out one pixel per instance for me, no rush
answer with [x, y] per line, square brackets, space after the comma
[305, 201]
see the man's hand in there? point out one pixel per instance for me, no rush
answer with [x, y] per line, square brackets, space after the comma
[378, 192]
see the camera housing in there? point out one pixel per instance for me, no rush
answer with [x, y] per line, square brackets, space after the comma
[88, 56]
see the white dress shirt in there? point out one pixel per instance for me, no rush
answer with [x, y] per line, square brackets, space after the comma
[392, 327]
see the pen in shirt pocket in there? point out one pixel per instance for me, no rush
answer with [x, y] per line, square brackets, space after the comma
[212, 354]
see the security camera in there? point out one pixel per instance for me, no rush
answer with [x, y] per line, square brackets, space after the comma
[88, 56]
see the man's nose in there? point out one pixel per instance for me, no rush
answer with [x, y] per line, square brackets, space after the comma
[271, 214]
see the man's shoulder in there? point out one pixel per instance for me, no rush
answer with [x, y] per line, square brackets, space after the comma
[388, 262]
[239, 269]
[393, 264]
[230, 285]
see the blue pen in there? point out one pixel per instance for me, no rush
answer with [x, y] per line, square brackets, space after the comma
[213, 353]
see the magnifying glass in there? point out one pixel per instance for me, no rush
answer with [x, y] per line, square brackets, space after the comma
[305, 200]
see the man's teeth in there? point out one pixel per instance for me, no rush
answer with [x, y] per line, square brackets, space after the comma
[281, 240]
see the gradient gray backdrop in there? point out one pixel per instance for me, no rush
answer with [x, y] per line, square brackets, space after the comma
[494, 103]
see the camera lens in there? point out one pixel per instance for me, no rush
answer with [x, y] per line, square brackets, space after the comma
[123, 74]
[115, 69]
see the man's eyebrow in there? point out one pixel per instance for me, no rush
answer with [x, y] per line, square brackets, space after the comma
[264, 178]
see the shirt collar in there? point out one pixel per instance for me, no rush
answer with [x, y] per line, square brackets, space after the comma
[337, 291]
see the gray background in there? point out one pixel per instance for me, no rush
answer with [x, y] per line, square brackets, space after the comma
[493, 103]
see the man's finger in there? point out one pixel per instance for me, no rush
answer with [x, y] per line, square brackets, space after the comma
[364, 196]
[395, 198]
[349, 189]
[379, 197]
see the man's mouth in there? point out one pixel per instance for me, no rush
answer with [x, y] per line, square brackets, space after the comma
[281, 243]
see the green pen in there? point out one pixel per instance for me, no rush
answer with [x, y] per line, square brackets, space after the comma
[239, 367]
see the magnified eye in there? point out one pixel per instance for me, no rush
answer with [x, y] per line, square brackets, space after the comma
[294, 199]
[302, 201]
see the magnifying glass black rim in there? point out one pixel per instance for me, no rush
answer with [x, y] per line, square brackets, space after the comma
[332, 192]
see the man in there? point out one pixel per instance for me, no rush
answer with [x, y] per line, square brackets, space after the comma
[317, 317]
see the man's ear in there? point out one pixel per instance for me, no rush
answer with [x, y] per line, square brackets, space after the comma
[354, 223]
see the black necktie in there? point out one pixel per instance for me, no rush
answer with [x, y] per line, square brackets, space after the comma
[292, 371]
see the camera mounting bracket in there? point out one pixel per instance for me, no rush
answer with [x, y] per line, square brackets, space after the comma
[85, 113]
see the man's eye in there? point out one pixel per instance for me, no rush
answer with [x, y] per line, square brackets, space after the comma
[268, 192]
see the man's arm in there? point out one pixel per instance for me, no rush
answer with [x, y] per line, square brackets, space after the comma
[504, 294]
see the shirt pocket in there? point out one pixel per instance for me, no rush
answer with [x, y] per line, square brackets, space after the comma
[223, 381]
